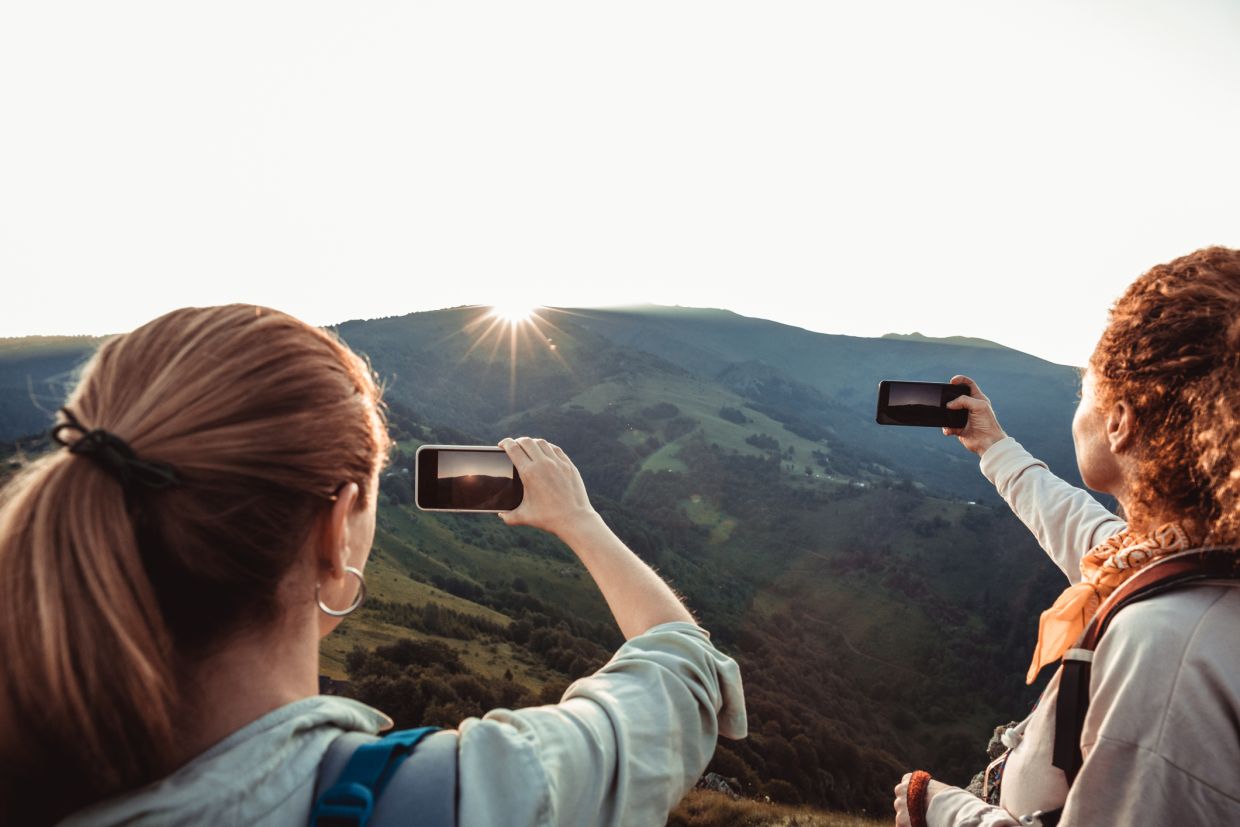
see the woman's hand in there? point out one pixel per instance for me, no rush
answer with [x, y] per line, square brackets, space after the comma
[555, 500]
[982, 430]
[555, 497]
[901, 802]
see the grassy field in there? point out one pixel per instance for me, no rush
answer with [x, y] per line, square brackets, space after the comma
[701, 808]
[386, 581]
[698, 400]
[703, 512]
[425, 547]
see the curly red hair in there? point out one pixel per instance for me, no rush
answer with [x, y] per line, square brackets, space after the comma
[1172, 351]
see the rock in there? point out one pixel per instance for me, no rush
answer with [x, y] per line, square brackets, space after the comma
[716, 782]
[994, 749]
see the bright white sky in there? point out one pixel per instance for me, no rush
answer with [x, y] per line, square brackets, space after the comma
[991, 169]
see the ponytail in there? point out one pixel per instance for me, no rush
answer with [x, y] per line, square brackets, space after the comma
[87, 656]
[111, 594]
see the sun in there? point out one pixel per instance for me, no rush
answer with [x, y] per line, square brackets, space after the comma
[512, 312]
[524, 328]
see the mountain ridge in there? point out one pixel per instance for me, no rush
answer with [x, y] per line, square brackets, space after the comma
[857, 572]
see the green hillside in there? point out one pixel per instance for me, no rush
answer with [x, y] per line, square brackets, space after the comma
[882, 619]
[833, 379]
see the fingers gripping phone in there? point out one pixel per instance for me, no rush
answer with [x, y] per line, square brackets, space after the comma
[920, 403]
[465, 478]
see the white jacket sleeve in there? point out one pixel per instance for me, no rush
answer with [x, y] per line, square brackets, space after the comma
[1066, 520]
[621, 748]
[955, 807]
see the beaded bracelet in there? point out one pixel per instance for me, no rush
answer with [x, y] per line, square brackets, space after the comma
[918, 784]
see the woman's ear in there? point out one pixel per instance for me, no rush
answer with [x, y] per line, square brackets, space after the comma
[1121, 425]
[334, 545]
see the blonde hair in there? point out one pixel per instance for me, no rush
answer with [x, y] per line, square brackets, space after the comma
[107, 591]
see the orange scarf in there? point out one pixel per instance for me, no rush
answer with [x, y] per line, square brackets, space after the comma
[1107, 564]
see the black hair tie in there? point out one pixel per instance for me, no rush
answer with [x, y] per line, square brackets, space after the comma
[113, 454]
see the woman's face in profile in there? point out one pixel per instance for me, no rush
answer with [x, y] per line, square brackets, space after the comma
[1099, 467]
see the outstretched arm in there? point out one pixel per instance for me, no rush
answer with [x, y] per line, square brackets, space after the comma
[1067, 520]
[624, 744]
[556, 501]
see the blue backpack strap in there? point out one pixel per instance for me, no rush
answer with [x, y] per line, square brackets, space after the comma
[350, 801]
[425, 784]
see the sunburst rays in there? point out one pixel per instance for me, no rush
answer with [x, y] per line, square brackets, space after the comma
[524, 329]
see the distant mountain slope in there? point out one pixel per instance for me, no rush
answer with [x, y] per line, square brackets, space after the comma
[818, 385]
[882, 619]
[457, 366]
[36, 372]
[1035, 399]
[967, 341]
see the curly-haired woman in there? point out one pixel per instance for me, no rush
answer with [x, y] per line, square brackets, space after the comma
[165, 580]
[1158, 428]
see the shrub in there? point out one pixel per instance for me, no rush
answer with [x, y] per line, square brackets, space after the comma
[766, 443]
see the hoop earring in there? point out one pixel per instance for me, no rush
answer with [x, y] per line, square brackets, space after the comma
[357, 601]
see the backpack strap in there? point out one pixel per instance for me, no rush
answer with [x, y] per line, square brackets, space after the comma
[1072, 700]
[425, 784]
[380, 781]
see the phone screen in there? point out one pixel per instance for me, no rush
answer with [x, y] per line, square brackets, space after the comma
[466, 478]
[920, 403]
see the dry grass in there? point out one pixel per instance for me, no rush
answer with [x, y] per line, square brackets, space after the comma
[701, 808]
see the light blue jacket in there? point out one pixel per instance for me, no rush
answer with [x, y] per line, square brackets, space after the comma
[621, 748]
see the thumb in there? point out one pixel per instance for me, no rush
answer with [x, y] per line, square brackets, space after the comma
[966, 402]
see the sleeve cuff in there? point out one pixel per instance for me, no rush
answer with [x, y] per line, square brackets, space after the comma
[677, 626]
[689, 645]
[955, 806]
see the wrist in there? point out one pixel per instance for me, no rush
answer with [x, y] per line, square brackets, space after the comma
[579, 526]
[990, 443]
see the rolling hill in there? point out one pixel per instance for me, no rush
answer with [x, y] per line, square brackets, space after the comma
[880, 598]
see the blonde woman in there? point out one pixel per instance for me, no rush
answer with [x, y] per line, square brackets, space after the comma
[167, 575]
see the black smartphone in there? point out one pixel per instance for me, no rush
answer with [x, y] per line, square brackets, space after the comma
[465, 478]
[920, 403]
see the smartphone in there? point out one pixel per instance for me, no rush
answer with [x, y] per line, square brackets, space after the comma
[465, 478]
[920, 403]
